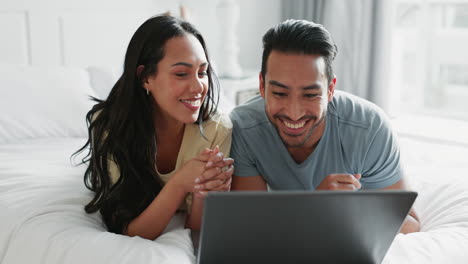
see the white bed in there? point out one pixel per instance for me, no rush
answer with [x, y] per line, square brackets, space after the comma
[42, 194]
[43, 221]
[42, 197]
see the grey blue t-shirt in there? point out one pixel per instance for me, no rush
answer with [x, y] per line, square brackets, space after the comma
[357, 139]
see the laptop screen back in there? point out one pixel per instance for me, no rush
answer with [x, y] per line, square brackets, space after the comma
[301, 227]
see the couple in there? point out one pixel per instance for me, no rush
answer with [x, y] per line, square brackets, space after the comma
[158, 145]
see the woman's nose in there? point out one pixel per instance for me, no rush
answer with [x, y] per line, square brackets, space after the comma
[197, 85]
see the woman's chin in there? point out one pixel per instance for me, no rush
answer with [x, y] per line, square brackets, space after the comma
[189, 119]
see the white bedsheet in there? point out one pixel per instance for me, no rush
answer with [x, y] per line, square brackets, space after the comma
[43, 220]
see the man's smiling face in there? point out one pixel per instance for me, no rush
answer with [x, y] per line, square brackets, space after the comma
[296, 93]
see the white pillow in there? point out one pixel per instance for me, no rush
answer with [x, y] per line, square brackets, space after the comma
[103, 79]
[43, 102]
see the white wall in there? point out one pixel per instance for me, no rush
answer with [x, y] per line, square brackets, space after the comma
[70, 33]
[259, 17]
[96, 32]
[256, 17]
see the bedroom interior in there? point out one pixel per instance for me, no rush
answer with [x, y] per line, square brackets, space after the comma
[407, 56]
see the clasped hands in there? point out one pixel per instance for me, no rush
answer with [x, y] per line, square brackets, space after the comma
[209, 171]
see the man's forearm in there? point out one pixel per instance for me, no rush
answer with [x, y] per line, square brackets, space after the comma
[411, 223]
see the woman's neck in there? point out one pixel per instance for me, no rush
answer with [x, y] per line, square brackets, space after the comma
[169, 135]
[166, 125]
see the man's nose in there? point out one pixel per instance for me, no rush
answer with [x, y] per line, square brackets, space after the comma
[294, 110]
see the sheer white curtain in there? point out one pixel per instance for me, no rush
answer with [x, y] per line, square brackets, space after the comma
[362, 31]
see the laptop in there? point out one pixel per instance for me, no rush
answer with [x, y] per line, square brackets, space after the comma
[300, 227]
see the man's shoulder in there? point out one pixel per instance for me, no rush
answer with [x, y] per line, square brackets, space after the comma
[354, 111]
[250, 114]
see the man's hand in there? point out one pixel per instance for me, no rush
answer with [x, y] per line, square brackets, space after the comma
[341, 182]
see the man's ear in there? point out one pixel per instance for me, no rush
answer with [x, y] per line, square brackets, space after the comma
[331, 89]
[262, 84]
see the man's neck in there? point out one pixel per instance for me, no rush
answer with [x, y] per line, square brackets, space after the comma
[300, 154]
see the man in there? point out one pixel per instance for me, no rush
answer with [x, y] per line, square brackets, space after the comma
[302, 134]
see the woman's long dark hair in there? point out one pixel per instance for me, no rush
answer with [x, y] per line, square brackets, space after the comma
[121, 128]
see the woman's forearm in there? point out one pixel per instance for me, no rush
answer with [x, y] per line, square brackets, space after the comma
[154, 219]
[196, 212]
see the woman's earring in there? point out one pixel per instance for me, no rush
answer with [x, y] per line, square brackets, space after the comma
[147, 91]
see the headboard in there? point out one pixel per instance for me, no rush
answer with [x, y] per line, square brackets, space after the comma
[72, 33]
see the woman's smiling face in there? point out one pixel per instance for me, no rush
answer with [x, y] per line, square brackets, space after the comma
[180, 83]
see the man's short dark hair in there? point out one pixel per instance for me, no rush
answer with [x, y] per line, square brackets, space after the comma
[300, 37]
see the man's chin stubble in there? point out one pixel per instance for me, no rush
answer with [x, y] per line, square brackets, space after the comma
[307, 137]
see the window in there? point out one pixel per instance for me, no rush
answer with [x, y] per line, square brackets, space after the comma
[430, 57]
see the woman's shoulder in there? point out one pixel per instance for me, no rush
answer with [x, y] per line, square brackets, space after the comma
[218, 125]
[217, 130]
[218, 121]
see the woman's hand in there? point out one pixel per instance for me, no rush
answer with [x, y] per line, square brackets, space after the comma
[218, 173]
[209, 171]
[216, 176]
[184, 178]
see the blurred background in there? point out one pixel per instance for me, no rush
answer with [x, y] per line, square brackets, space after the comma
[408, 56]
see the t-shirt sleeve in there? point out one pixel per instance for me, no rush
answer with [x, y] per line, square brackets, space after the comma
[112, 168]
[218, 132]
[382, 166]
[114, 172]
[244, 164]
[224, 142]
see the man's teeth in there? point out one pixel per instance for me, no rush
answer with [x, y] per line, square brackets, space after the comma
[294, 126]
[192, 102]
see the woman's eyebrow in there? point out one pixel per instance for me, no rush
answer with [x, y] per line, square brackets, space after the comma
[182, 64]
[188, 64]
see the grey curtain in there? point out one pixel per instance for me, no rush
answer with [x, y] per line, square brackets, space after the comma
[361, 30]
[312, 10]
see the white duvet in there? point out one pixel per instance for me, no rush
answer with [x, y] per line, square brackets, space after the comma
[42, 218]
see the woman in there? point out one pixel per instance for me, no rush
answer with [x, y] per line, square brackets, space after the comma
[153, 141]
